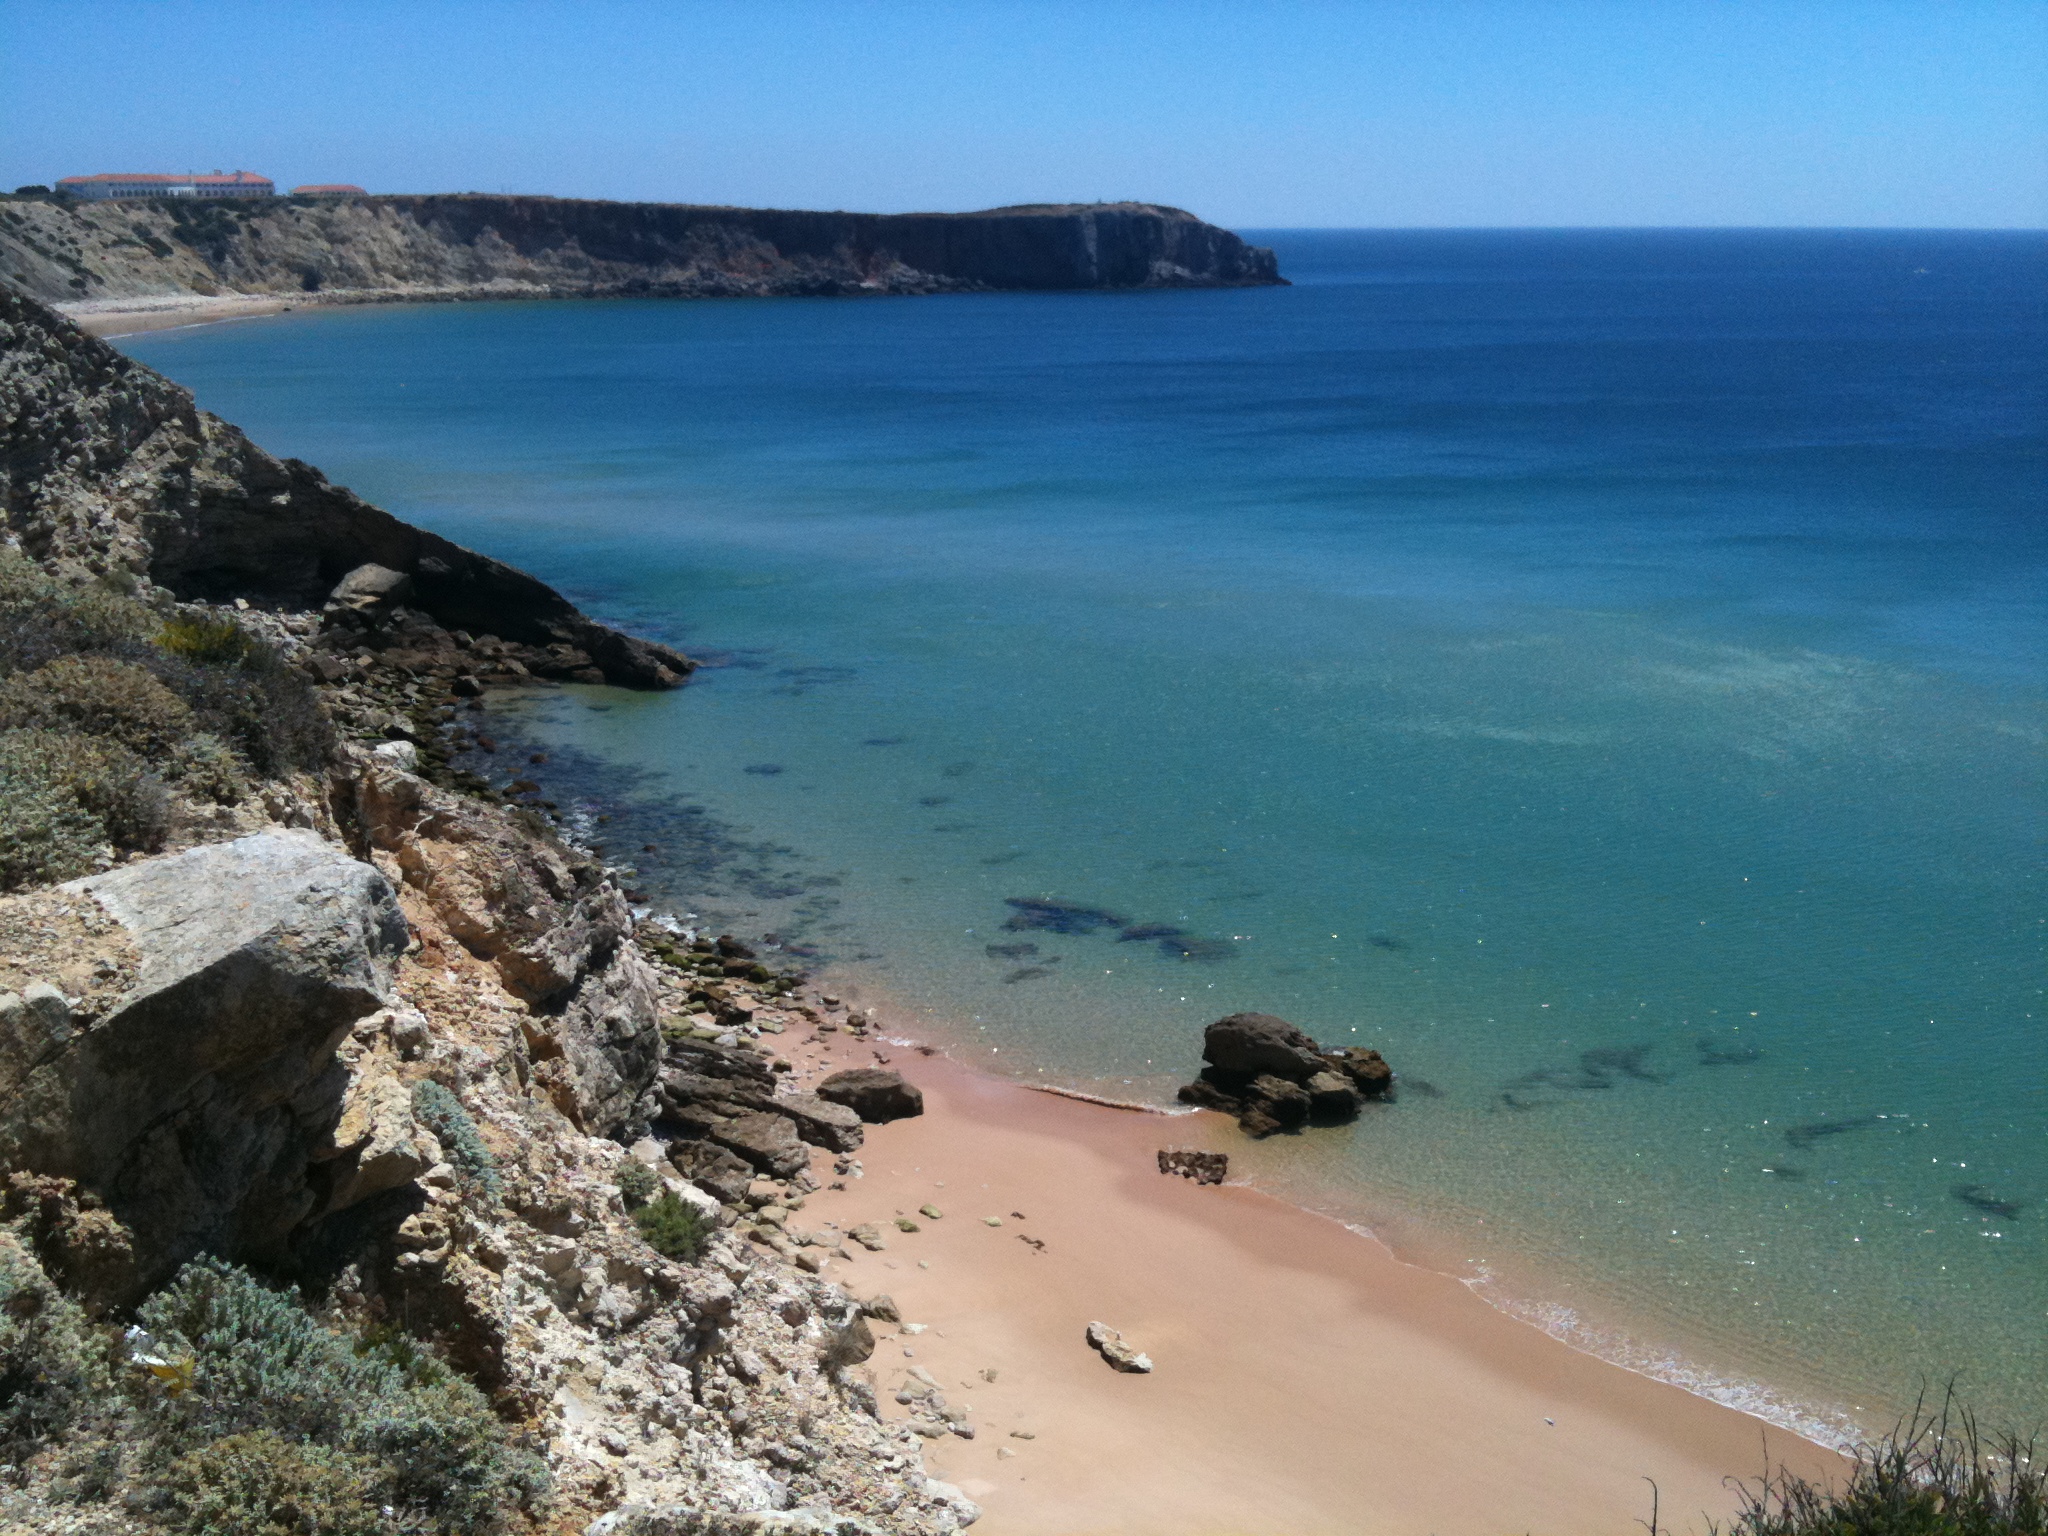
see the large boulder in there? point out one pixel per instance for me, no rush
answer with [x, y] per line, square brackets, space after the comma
[1273, 1077]
[768, 1141]
[1252, 1043]
[819, 1121]
[194, 1107]
[873, 1094]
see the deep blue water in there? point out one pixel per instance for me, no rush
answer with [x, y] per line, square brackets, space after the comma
[1497, 647]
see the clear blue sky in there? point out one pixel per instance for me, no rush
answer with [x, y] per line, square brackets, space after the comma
[1437, 112]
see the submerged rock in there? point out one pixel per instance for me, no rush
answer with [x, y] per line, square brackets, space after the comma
[1272, 1076]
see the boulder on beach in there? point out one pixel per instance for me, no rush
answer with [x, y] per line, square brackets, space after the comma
[873, 1094]
[1109, 1343]
[1274, 1077]
[1190, 1163]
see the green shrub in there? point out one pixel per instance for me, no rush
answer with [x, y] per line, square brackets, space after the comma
[51, 1366]
[65, 797]
[637, 1183]
[442, 1113]
[257, 702]
[673, 1227]
[101, 697]
[42, 618]
[264, 1485]
[207, 768]
[210, 642]
[267, 1374]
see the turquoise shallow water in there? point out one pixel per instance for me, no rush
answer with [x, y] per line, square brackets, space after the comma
[1601, 671]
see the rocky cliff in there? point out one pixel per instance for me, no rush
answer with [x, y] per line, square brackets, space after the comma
[473, 245]
[329, 1021]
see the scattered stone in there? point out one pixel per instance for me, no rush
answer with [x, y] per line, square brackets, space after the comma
[1109, 1343]
[992, 1221]
[868, 1235]
[882, 1308]
[931, 1212]
[905, 1224]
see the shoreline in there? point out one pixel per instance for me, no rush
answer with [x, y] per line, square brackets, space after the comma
[1398, 1398]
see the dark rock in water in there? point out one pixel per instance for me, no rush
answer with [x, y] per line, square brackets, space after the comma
[885, 741]
[936, 800]
[1058, 916]
[873, 1094]
[1713, 1055]
[1385, 941]
[1027, 973]
[1272, 1076]
[1804, 1137]
[1141, 932]
[732, 949]
[764, 770]
[956, 770]
[1422, 1086]
[1202, 1167]
[1251, 1043]
[1009, 951]
[1978, 1198]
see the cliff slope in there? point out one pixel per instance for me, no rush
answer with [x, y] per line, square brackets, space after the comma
[472, 245]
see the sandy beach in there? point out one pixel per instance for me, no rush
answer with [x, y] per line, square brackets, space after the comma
[1306, 1381]
[129, 317]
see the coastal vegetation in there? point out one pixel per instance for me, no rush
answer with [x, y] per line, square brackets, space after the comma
[1938, 1473]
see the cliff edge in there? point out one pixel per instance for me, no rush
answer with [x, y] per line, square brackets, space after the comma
[471, 245]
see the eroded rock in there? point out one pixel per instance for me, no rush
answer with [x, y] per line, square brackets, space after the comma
[876, 1095]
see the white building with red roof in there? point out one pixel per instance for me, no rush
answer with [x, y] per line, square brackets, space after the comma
[104, 188]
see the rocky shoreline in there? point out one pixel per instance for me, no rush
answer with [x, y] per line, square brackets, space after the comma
[375, 1029]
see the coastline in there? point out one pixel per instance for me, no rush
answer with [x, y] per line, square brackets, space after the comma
[1394, 1397]
[110, 319]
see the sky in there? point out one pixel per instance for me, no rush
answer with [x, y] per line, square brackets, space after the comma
[1436, 113]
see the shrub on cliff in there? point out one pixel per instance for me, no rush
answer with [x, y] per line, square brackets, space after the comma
[673, 1227]
[51, 1366]
[637, 1183]
[42, 618]
[99, 696]
[442, 1113]
[64, 798]
[266, 1401]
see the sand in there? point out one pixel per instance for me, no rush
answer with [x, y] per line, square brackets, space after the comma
[1306, 1381]
[129, 317]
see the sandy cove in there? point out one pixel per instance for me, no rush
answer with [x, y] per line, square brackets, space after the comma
[1307, 1381]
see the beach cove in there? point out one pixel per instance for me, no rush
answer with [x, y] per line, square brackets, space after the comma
[1487, 740]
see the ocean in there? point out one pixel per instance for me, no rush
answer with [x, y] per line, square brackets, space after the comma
[1601, 670]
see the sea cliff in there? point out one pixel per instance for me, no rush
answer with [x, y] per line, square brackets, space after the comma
[478, 246]
[286, 1000]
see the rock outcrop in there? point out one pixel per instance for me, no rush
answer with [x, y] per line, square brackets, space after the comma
[191, 1109]
[110, 473]
[875, 1094]
[479, 246]
[1274, 1077]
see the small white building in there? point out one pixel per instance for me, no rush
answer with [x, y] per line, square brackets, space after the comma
[104, 188]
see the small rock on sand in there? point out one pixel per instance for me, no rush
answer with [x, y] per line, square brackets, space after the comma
[1109, 1343]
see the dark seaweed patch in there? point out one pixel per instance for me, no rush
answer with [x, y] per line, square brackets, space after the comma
[1005, 858]
[764, 770]
[956, 770]
[1803, 1138]
[1713, 1055]
[936, 800]
[1419, 1085]
[1598, 1071]
[1058, 916]
[1978, 1198]
[1009, 951]
[1385, 941]
[1028, 973]
[1200, 951]
[885, 741]
[1140, 933]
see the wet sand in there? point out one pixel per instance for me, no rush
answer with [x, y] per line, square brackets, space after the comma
[1306, 1381]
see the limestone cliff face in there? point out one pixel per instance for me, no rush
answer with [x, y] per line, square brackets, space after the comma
[472, 245]
[110, 472]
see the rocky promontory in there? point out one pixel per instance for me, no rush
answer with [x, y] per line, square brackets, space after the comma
[473, 245]
[1273, 1077]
